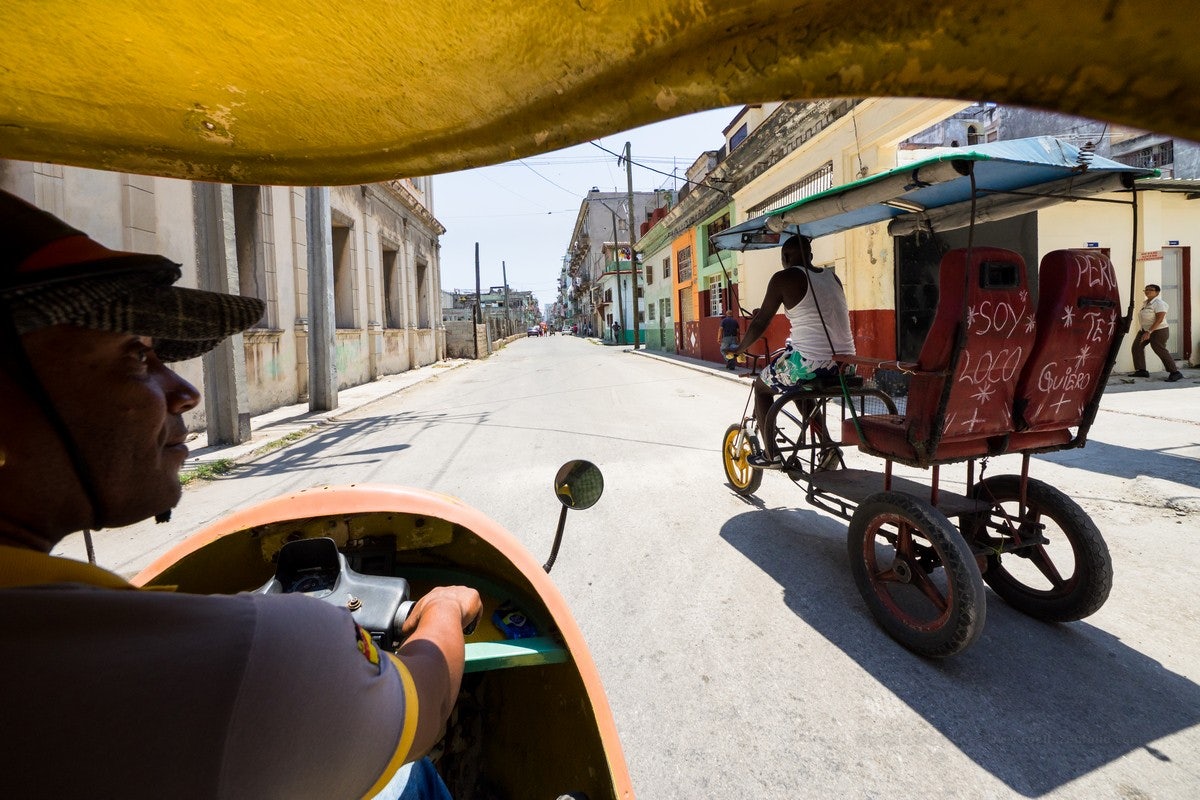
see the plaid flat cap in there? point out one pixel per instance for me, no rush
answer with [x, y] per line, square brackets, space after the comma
[52, 274]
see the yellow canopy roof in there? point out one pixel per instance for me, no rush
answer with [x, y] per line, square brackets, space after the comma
[303, 92]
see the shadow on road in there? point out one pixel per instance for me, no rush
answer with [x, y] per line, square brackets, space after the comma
[1034, 704]
[313, 451]
[1128, 462]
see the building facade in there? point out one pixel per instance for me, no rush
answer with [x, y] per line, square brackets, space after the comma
[384, 272]
[783, 153]
[600, 284]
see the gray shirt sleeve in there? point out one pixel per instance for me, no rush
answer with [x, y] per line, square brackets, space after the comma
[319, 712]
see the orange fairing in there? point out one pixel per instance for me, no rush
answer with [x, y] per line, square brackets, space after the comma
[209, 558]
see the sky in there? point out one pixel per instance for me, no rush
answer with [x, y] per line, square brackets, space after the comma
[522, 212]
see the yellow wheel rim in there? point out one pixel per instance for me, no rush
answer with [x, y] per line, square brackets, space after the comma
[736, 466]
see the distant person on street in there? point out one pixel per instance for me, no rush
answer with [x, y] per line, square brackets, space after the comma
[1153, 331]
[730, 332]
[616, 329]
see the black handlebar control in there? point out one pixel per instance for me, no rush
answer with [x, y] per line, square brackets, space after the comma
[315, 567]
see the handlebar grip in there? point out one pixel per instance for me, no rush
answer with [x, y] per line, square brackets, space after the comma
[406, 608]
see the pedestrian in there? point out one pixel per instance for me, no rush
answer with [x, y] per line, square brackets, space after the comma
[1153, 331]
[729, 335]
[616, 329]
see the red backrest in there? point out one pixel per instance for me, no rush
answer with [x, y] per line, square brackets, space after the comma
[1077, 313]
[995, 305]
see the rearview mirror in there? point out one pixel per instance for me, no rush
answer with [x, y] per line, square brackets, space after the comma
[578, 484]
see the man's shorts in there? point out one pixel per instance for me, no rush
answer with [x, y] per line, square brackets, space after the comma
[789, 369]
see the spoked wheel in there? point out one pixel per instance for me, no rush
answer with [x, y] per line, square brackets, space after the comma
[735, 449]
[803, 439]
[1051, 563]
[916, 574]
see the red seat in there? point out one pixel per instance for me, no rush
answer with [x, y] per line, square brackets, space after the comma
[1077, 315]
[977, 412]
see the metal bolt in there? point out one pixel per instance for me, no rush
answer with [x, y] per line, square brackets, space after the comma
[353, 603]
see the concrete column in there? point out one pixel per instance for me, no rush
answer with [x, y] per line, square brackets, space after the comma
[226, 397]
[322, 331]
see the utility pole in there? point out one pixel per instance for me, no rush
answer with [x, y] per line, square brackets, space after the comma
[507, 311]
[617, 258]
[633, 270]
[477, 316]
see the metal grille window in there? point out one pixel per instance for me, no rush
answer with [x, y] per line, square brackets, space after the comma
[650, 311]
[665, 308]
[716, 300]
[1154, 156]
[683, 261]
[814, 182]
[666, 267]
[649, 273]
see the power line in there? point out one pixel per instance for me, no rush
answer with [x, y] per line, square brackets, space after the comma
[547, 180]
[508, 189]
[660, 172]
[577, 160]
[525, 214]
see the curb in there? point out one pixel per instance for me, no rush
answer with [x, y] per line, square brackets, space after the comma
[696, 365]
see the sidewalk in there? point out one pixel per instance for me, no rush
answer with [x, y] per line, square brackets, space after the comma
[282, 426]
[1191, 375]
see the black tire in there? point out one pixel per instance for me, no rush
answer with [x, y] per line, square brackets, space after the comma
[916, 574]
[735, 447]
[1047, 581]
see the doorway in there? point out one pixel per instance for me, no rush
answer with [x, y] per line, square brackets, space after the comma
[1175, 290]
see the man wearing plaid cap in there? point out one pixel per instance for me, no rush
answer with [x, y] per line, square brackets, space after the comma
[109, 691]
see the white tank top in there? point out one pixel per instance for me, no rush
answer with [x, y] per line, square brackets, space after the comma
[808, 335]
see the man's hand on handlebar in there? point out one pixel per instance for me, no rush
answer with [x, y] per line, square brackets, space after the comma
[462, 599]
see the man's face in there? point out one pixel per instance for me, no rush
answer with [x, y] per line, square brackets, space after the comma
[124, 409]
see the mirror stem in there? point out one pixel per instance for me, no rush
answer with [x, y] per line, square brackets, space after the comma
[562, 523]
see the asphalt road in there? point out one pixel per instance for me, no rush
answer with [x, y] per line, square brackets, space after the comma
[739, 658]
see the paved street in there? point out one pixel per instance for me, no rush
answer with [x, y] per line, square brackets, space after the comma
[736, 651]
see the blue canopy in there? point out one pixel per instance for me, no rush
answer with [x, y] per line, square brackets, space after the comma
[1010, 177]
